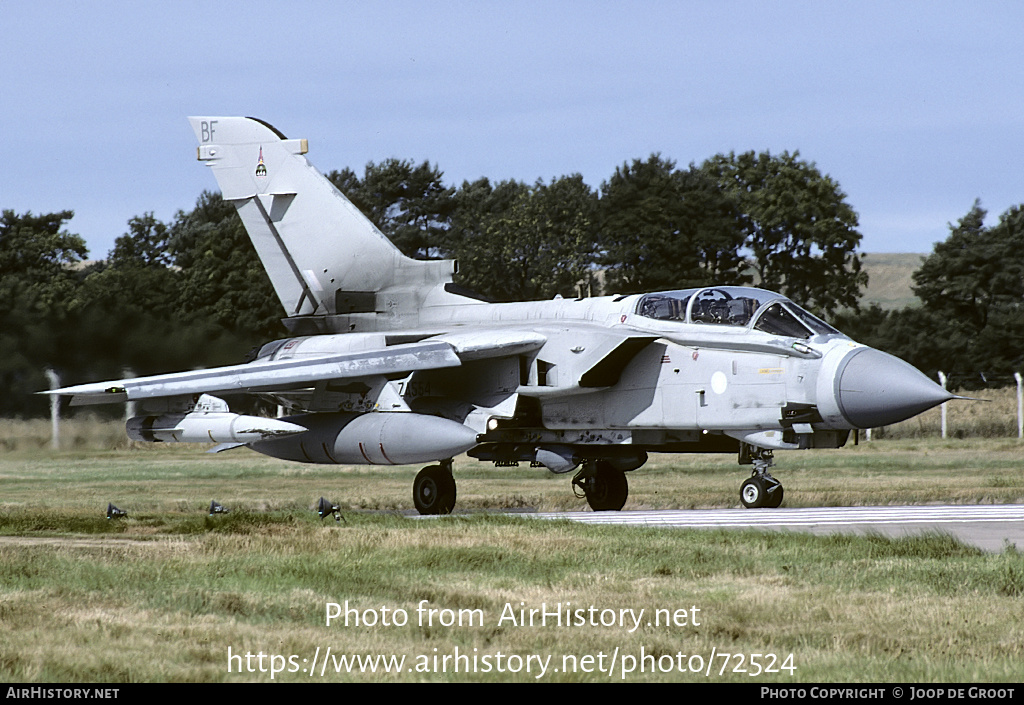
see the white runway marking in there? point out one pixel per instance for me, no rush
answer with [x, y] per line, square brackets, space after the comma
[992, 526]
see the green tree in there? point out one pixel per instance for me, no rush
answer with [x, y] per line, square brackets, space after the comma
[925, 338]
[470, 238]
[146, 244]
[408, 202]
[663, 228]
[517, 242]
[976, 270]
[38, 284]
[349, 183]
[801, 233]
[36, 256]
[974, 280]
[138, 274]
[223, 281]
[971, 325]
[126, 309]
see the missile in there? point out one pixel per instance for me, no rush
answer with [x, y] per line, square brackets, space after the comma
[375, 438]
[208, 427]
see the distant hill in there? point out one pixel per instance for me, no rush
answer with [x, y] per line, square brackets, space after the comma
[890, 279]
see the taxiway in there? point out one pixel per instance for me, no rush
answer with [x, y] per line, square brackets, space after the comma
[992, 527]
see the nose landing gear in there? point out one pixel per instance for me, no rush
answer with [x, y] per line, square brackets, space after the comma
[761, 489]
[604, 486]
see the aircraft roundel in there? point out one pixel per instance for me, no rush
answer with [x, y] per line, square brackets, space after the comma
[719, 382]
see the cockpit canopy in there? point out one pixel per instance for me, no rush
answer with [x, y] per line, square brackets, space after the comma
[737, 306]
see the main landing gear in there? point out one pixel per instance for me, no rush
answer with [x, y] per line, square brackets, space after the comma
[761, 489]
[433, 490]
[604, 486]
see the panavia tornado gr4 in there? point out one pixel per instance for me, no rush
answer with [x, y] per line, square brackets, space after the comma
[391, 363]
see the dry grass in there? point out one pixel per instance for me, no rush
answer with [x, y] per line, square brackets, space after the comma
[848, 609]
[79, 433]
[994, 417]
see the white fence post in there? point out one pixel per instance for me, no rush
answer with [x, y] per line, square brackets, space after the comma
[942, 381]
[54, 409]
[1020, 405]
[129, 406]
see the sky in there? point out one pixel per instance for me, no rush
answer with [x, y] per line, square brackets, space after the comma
[915, 108]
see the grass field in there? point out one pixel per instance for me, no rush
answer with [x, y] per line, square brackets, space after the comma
[166, 593]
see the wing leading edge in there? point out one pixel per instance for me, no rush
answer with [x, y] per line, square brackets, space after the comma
[268, 376]
[282, 375]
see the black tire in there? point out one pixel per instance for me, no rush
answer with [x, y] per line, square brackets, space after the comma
[752, 493]
[433, 490]
[607, 489]
[773, 496]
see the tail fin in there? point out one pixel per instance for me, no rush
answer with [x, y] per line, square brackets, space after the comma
[323, 256]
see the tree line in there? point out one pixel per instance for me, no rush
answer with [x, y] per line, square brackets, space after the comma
[651, 226]
[971, 322]
[192, 292]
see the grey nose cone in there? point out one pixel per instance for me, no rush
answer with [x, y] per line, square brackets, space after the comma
[874, 389]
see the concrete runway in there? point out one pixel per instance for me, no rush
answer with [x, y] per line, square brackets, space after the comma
[992, 527]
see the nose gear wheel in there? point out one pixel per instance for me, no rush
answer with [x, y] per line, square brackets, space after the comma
[761, 490]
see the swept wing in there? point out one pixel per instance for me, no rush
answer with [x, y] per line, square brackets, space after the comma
[301, 372]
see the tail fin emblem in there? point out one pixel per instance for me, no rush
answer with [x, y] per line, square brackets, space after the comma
[261, 168]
